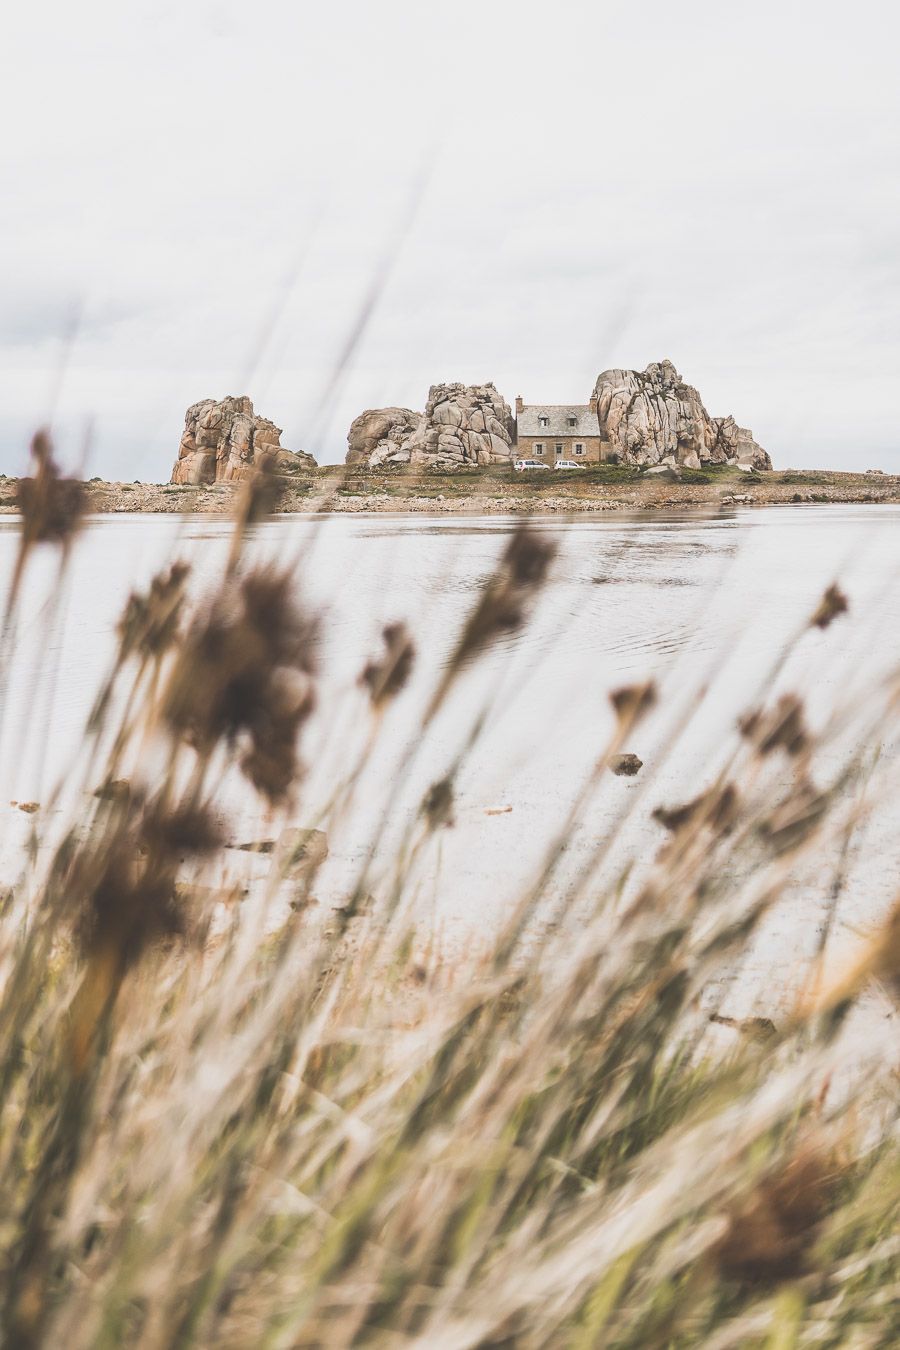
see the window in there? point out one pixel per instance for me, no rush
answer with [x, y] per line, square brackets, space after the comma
[543, 421]
[538, 447]
[572, 421]
[579, 448]
[559, 449]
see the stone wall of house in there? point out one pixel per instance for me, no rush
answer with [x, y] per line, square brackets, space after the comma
[593, 448]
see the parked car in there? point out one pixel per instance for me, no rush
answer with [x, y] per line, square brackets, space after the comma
[520, 464]
[567, 464]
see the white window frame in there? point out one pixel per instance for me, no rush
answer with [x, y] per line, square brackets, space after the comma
[543, 421]
[539, 447]
[559, 448]
[572, 421]
[579, 447]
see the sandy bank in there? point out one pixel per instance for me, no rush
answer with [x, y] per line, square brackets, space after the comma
[500, 492]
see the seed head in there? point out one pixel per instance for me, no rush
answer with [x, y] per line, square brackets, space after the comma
[502, 607]
[782, 727]
[385, 678]
[833, 603]
[258, 498]
[675, 818]
[632, 701]
[259, 493]
[772, 1231]
[437, 806]
[51, 505]
[171, 835]
[124, 882]
[149, 625]
[528, 557]
[718, 809]
[270, 761]
[245, 673]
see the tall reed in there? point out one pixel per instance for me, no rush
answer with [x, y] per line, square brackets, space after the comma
[234, 1122]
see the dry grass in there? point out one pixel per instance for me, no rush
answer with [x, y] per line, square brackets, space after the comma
[215, 1132]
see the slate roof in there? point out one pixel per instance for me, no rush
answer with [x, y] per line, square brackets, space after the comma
[586, 423]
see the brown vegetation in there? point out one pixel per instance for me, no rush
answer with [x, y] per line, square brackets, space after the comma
[315, 1134]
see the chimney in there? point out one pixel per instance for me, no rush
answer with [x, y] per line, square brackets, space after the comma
[519, 404]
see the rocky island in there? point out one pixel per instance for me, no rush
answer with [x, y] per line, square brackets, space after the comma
[644, 441]
[644, 419]
[222, 442]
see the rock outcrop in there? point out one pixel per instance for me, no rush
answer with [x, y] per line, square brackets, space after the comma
[462, 425]
[653, 417]
[223, 440]
[384, 436]
[737, 443]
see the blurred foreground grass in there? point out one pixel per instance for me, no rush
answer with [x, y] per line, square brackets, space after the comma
[218, 1130]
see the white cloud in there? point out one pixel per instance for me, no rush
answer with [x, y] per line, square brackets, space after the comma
[606, 185]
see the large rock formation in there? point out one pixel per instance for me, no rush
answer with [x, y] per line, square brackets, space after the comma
[384, 435]
[462, 425]
[652, 416]
[647, 417]
[222, 441]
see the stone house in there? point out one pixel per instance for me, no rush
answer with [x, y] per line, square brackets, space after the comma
[554, 431]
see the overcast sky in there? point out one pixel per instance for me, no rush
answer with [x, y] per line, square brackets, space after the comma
[204, 197]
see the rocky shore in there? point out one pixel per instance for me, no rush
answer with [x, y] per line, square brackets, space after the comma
[498, 491]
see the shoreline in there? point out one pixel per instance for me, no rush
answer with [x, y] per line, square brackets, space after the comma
[334, 490]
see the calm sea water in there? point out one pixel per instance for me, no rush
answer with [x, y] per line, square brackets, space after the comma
[702, 604]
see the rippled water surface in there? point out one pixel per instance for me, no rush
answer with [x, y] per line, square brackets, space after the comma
[702, 604]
